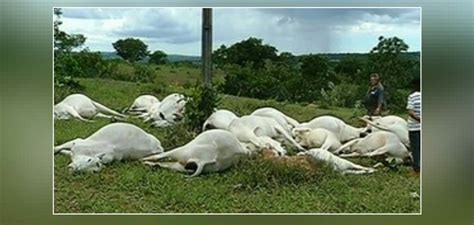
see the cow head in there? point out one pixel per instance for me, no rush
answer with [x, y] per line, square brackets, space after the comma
[301, 136]
[84, 163]
[61, 114]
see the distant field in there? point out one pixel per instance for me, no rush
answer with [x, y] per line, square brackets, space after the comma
[253, 186]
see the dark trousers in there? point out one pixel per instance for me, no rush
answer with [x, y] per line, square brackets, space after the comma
[415, 149]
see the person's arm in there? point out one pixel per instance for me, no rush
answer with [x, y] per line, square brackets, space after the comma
[413, 115]
[411, 111]
[379, 102]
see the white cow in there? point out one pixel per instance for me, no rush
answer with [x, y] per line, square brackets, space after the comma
[220, 119]
[248, 128]
[83, 108]
[211, 151]
[143, 104]
[316, 138]
[116, 141]
[285, 121]
[344, 132]
[339, 164]
[167, 112]
[398, 128]
[381, 143]
[387, 120]
[268, 143]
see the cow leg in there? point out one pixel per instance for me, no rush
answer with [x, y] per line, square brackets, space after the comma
[170, 165]
[146, 118]
[143, 115]
[355, 172]
[377, 165]
[353, 154]
[103, 115]
[376, 152]
[75, 114]
[282, 131]
[361, 168]
[255, 141]
[66, 152]
[66, 146]
[109, 117]
[107, 158]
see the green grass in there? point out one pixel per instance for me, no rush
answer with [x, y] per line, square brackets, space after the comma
[254, 186]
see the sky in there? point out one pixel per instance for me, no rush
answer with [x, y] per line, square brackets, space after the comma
[295, 30]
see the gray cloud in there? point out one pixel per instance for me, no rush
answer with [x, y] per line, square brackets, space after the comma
[298, 30]
[176, 26]
[94, 13]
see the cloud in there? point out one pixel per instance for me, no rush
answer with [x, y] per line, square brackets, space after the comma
[170, 25]
[297, 30]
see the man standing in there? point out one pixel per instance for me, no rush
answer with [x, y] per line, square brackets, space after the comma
[375, 99]
[414, 123]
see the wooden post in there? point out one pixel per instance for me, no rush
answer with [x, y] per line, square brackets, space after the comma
[206, 45]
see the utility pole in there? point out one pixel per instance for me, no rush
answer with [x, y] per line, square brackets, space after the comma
[206, 45]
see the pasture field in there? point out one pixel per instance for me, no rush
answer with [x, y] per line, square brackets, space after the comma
[255, 185]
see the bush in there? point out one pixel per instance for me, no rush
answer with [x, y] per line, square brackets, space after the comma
[155, 88]
[67, 87]
[119, 70]
[270, 82]
[65, 68]
[172, 139]
[341, 95]
[397, 100]
[91, 64]
[143, 74]
[204, 99]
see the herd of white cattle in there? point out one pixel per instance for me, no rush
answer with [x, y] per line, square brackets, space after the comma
[226, 137]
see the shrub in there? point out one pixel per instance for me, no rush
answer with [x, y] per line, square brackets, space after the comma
[341, 95]
[204, 99]
[397, 100]
[117, 70]
[155, 88]
[172, 140]
[143, 74]
[67, 86]
[91, 64]
[270, 82]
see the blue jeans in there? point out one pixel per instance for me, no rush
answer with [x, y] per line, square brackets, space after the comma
[415, 149]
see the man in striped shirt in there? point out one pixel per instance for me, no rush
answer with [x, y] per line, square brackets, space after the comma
[414, 123]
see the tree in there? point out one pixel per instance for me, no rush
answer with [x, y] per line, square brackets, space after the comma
[316, 74]
[131, 49]
[352, 69]
[388, 58]
[219, 57]
[64, 42]
[65, 66]
[250, 51]
[158, 57]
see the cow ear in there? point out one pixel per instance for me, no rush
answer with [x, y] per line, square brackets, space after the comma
[305, 130]
[258, 131]
[100, 156]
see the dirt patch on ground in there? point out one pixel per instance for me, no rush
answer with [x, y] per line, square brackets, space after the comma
[295, 160]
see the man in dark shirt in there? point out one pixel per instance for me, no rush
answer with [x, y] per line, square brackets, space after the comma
[375, 99]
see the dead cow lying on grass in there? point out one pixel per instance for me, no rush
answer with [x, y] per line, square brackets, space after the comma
[314, 160]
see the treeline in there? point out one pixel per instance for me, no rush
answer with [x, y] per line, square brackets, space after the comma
[69, 64]
[256, 70]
